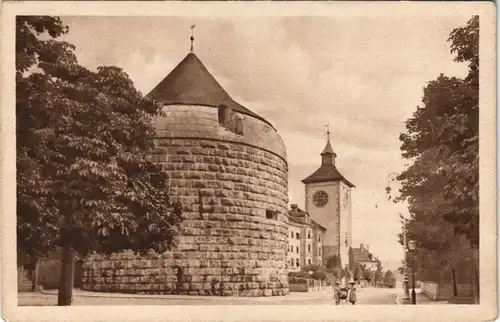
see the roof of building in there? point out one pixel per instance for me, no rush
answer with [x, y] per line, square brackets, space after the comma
[327, 171]
[362, 255]
[302, 217]
[190, 83]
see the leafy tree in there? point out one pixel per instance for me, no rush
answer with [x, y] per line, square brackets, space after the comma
[84, 139]
[368, 275]
[389, 279]
[333, 262]
[378, 276]
[441, 185]
[358, 272]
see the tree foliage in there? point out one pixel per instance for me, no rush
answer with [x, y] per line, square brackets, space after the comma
[358, 272]
[84, 138]
[442, 141]
[378, 276]
[441, 184]
[389, 279]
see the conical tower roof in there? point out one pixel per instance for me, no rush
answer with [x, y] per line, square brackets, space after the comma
[328, 149]
[190, 83]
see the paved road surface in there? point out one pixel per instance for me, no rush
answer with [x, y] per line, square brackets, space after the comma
[365, 296]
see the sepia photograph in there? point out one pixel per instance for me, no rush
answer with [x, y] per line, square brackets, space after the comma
[273, 160]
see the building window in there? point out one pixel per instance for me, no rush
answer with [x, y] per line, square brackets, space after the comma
[319, 238]
[223, 115]
[309, 248]
[309, 261]
[271, 215]
[309, 234]
[238, 128]
[297, 249]
[297, 235]
[298, 263]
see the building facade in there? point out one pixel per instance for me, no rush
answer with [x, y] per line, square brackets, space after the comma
[227, 166]
[305, 240]
[363, 257]
[328, 201]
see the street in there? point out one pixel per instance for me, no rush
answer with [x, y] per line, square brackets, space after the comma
[366, 296]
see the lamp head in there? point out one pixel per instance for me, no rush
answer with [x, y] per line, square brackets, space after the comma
[412, 244]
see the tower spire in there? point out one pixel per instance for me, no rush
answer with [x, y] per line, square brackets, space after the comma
[192, 37]
[328, 155]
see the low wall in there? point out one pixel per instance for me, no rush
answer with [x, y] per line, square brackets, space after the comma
[171, 273]
[307, 286]
[48, 273]
[438, 291]
[430, 289]
[299, 287]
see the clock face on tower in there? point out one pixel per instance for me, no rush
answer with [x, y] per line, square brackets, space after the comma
[320, 198]
[345, 199]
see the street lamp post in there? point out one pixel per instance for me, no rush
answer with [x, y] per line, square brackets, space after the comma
[413, 245]
[406, 282]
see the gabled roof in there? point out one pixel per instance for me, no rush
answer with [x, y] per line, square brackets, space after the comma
[300, 217]
[361, 255]
[325, 173]
[190, 83]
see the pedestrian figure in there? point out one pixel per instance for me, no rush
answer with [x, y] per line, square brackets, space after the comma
[352, 293]
[336, 293]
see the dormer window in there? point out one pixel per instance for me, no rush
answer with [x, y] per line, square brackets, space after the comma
[223, 114]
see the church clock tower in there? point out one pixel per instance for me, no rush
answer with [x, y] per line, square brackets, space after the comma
[328, 202]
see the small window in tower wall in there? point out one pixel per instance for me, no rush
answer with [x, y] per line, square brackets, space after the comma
[238, 126]
[223, 115]
[297, 235]
[309, 261]
[309, 248]
[309, 234]
[270, 214]
[297, 249]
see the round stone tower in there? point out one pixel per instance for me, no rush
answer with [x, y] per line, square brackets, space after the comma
[228, 168]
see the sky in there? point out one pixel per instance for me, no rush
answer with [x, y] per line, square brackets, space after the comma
[364, 76]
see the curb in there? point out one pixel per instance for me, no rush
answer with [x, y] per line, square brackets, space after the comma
[165, 297]
[262, 299]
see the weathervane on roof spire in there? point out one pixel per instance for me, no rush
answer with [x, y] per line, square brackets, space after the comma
[328, 131]
[192, 37]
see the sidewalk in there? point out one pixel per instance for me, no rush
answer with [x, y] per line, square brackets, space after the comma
[295, 296]
[422, 299]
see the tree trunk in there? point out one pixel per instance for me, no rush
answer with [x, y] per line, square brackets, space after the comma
[65, 293]
[475, 275]
[454, 282]
[34, 275]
